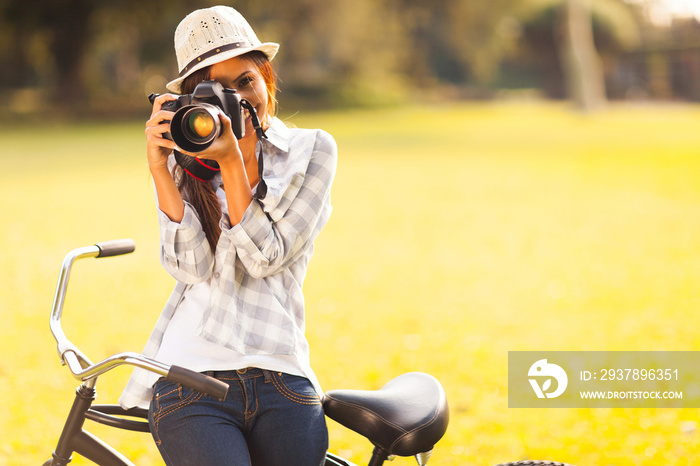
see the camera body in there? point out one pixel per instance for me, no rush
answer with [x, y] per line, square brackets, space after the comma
[196, 124]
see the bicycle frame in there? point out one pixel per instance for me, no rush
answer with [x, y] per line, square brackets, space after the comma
[406, 417]
[73, 438]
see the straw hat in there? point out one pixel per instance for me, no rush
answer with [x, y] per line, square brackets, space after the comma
[212, 35]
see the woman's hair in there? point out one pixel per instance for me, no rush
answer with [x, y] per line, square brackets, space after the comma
[201, 194]
[259, 59]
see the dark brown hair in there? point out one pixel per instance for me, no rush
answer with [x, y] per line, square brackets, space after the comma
[201, 194]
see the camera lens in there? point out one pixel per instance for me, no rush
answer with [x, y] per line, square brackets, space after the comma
[195, 127]
[199, 123]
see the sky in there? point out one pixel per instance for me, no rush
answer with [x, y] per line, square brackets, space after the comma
[664, 10]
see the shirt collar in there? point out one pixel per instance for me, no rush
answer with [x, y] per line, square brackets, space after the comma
[278, 134]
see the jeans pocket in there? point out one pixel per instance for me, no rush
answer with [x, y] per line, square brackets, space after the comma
[168, 398]
[295, 388]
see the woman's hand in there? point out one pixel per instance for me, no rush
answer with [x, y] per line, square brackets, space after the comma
[234, 171]
[157, 147]
[157, 150]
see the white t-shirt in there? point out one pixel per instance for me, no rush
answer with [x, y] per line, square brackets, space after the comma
[181, 346]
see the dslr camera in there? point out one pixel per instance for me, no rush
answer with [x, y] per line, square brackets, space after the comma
[196, 124]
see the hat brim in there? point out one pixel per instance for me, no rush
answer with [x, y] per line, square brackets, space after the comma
[268, 48]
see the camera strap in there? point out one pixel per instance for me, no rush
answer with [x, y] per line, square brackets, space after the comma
[261, 191]
[200, 169]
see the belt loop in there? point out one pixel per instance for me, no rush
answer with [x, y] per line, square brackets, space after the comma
[267, 375]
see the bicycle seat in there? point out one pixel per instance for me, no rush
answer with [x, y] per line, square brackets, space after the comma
[405, 417]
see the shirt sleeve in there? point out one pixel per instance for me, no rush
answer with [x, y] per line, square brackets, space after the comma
[185, 251]
[266, 242]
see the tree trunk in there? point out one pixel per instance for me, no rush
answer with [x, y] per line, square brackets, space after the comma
[581, 64]
[70, 38]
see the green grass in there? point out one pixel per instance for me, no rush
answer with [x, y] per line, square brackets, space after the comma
[459, 233]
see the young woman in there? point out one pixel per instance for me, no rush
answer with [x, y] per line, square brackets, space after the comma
[239, 253]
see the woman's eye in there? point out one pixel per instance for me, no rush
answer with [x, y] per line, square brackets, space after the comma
[245, 82]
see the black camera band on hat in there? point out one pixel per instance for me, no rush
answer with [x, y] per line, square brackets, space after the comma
[212, 52]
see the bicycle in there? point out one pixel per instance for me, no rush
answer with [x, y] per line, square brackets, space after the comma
[406, 417]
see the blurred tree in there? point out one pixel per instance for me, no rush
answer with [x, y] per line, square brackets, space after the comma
[332, 52]
[458, 41]
[581, 63]
[573, 45]
[482, 33]
[338, 51]
[132, 50]
[64, 27]
[75, 48]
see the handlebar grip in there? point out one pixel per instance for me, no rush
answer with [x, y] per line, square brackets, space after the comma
[199, 382]
[116, 247]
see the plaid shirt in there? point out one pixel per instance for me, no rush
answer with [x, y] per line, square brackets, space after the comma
[258, 268]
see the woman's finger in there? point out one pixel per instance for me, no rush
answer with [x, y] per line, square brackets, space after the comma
[159, 101]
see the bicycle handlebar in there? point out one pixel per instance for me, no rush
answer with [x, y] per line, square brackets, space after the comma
[83, 369]
[190, 379]
[116, 247]
[199, 382]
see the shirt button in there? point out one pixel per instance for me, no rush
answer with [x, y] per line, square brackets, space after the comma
[217, 275]
[267, 173]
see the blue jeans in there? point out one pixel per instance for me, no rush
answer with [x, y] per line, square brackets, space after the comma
[268, 418]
